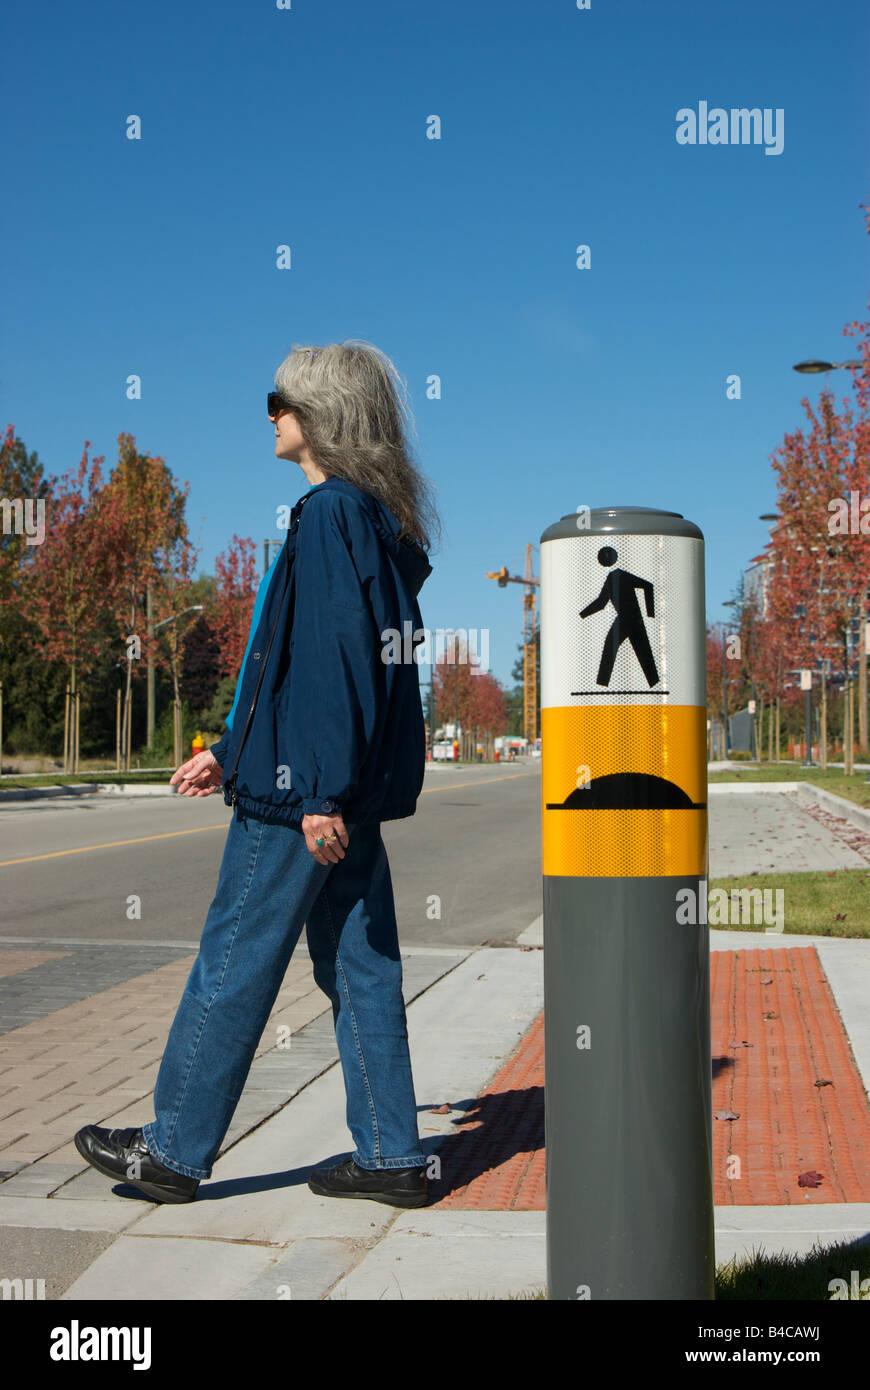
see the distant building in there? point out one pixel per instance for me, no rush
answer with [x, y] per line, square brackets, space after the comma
[756, 581]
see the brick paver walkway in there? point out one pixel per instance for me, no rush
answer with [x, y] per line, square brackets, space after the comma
[777, 1001]
[95, 1061]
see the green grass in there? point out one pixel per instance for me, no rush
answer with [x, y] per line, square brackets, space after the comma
[799, 1277]
[833, 779]
[147, 775]
[761, 1277]
[817, 903]
[58, 779]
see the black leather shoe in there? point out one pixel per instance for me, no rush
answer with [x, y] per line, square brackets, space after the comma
[123, 1154]
[398, 1187]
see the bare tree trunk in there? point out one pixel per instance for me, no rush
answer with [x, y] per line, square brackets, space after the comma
[176, 700]
[862, 679]
[66, 708]
[72, 722]
[76, 722]
[823, 730]
[128, 723]
[128, 691]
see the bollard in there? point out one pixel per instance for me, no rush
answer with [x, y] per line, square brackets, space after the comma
[628, 1094]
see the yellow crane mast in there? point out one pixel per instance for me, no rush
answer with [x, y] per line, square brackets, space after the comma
[530, 627]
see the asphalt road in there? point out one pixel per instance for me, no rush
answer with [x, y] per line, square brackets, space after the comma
[68, 868]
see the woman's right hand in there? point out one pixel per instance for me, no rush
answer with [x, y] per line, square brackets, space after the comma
[201, 776]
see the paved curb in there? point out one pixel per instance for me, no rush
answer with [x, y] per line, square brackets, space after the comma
[80, 789]
[838, 805]
[855, 815]
[40, 793]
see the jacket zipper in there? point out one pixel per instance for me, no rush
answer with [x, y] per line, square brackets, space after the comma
[293, 525]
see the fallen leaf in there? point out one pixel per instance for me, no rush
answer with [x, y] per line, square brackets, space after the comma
[823, 1083]
[440, 1109]
[810, 1179]
[727, 1115]
[769, 1015]
[741, 1044]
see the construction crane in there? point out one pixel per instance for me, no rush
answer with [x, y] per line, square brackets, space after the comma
[530, 627]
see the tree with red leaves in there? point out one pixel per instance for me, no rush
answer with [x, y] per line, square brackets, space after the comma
[465, 695]
[488, 704]
[64, 594]
[819, 555]
[144, 522]
[236, 592]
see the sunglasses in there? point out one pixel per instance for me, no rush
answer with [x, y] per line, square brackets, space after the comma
[275, 403]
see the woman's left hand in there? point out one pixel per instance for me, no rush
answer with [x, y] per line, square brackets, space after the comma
[322, 827]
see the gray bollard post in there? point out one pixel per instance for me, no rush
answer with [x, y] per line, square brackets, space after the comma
[628, 1094]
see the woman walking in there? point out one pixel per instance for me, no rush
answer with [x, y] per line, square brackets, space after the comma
[324, 742]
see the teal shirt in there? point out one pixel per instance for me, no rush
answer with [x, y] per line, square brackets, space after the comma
[255, 618]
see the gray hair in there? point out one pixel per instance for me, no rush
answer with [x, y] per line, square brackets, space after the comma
[355, 418]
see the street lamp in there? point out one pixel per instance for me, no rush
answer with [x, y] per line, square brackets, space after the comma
[729, 603]
[814, 365]
[268, 546]
[177, 731]
[806, 676]
[197, 608]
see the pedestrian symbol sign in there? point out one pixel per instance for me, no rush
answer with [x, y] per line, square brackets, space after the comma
[628, 625]
[623, 705]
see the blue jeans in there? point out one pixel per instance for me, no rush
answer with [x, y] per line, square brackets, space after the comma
[269, 886]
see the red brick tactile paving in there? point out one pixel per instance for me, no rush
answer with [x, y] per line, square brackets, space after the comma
[496, 1161]
[787, 1125]
[780, 1002]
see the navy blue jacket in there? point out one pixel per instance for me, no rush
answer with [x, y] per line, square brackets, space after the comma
[336, 726]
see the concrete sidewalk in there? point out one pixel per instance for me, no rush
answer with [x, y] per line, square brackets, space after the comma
[256, 1232]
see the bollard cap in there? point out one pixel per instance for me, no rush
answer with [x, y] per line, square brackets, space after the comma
[630, 521]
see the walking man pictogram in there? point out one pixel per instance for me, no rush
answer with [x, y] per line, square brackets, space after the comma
[619, 589]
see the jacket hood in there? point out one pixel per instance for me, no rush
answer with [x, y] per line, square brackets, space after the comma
[410, 557]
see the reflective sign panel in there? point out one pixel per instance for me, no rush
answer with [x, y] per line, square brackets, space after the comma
[623, 718]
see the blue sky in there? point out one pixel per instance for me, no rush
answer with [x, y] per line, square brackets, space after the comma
[307, 126]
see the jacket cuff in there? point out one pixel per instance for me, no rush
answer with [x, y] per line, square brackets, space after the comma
[221, 748]
[320, 806]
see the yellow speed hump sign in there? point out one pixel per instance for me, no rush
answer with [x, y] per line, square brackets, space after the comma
[623, 695]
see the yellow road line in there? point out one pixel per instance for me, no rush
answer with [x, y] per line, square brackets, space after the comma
[112, 844]
[199, 829]
[477, 782]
